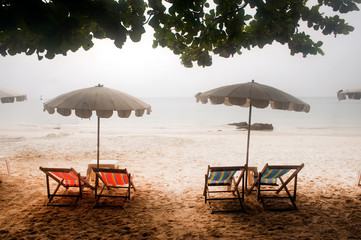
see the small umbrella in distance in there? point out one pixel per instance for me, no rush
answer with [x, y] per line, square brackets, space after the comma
[8, 96]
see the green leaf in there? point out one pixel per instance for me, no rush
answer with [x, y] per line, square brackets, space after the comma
[195, 30]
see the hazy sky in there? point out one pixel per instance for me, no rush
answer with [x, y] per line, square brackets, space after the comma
[142, 71]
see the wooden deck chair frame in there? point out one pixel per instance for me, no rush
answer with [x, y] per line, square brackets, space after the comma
[230, 189]
[278, 188]
[81, 182]
[106, 184]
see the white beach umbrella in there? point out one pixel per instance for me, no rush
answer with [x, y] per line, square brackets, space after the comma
[8, 96]
[250, 95]
[351, 94]
[104, 101]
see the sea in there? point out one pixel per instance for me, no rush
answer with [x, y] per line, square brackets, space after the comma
[328, 115]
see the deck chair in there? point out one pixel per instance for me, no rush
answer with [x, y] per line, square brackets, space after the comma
[66, 177]
[114, 178]
[220, 181]
[267, 181]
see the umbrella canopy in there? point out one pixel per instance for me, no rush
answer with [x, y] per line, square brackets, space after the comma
[104, 101]
[250, 95]
[253, 94]
[351, 94]
[8, 96]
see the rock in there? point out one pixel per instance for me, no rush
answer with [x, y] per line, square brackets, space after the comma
[255, 126]
[261, 126]
[240, 125]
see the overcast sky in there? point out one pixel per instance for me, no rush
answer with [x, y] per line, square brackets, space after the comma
[142, 71]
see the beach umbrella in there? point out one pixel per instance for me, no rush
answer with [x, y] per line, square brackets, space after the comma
[104, 101]
[351, 94]
[250, 95]
[8, 96]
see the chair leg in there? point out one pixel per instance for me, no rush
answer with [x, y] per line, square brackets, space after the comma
[207, 197]
[99, 195]
[259, 195]
[205, 185]
[243, 190]
[47, 186]
[132, 185]
[295, 189]
[80, 189]
[51, 196]
[292, 198]
[239, 198]
[128, 197]
[205, 193]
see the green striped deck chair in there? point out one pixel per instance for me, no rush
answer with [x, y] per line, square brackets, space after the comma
[67, 178]
[271, 175]
[114, 178]
[221, 183]
[267, 181]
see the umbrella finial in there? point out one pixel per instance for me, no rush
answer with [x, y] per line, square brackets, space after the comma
[100, 85]
[253, 80]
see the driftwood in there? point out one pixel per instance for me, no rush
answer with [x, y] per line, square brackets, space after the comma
[255, 126]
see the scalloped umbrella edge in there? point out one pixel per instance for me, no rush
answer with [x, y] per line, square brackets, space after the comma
[354, 94]
[9, 96]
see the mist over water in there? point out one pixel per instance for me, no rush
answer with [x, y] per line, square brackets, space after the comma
[327, 115]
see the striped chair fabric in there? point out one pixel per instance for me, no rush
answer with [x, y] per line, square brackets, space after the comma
[114, 178]
[270, 176]
[70, 178]
[222, 177]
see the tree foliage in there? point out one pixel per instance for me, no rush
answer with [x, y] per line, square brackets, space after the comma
[193, 29]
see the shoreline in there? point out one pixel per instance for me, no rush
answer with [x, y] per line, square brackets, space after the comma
[8, 127]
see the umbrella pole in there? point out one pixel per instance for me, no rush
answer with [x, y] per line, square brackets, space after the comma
[96, 176]
[98, 142]
[248, 137]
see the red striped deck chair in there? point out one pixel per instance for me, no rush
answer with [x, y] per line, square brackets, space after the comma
[221, 183]
[267, 181]
[114, 178]
[66, 177]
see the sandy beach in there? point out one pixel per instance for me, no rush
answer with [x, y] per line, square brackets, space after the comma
[168, 167]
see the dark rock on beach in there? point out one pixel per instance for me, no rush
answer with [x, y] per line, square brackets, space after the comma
[262, 126]
[240, 124]
[255, 126]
